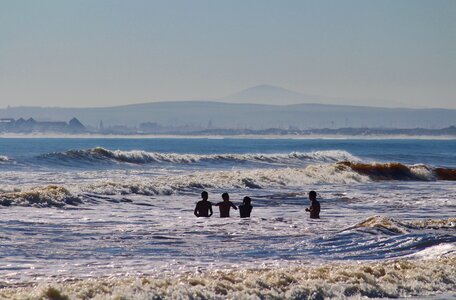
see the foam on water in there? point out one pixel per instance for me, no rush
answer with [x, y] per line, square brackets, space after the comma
[392, 279]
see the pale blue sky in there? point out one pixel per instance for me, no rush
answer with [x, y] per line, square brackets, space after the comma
[98, 53]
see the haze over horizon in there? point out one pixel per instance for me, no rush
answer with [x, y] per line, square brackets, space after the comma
[110, 53]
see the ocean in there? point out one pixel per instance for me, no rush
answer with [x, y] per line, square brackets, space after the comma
[112, 218]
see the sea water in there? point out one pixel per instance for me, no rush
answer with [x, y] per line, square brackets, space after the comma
[108, 218]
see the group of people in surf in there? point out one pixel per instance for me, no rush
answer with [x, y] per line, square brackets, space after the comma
[204, 207]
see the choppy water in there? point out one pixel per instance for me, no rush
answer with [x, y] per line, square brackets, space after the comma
[115, 211]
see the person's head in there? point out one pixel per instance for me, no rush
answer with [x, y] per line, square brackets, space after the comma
[204, 195]
[312, 195]
[225, 197]
[247, 200]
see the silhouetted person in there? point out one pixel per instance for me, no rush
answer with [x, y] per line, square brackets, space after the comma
[203, 208]
[225, 206]
[314, 208]
[246, 208]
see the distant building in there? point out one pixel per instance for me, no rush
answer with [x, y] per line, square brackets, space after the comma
[31, 125]
[76, 126]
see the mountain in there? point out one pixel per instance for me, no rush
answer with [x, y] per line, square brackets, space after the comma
[253, 108]
[274, 95]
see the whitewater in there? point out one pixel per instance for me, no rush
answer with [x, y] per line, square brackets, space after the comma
[113, 218]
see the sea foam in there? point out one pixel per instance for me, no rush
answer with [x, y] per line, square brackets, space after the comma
[49, 196]
[392, 279]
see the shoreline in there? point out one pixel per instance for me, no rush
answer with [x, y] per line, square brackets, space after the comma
[253, 136]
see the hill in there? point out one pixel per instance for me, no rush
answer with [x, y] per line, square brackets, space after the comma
[238, 114]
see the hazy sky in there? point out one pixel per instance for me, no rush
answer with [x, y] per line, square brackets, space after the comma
[98, 53]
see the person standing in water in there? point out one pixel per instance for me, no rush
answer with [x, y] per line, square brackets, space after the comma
[225, 206]
[314, 208]
[246, 208]
[203, 208]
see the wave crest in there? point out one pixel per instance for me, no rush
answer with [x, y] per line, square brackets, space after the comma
[398, 171]
[143, 157]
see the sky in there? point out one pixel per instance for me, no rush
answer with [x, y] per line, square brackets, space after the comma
[105, 53]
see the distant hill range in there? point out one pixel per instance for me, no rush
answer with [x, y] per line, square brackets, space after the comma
[298, 111]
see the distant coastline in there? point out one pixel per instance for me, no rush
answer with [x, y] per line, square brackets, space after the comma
[239, 136]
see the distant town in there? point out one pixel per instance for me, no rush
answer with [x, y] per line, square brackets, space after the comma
[74, 126]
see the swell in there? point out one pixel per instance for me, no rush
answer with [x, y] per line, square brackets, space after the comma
[99, 154]
[386, 279]
[398, 171]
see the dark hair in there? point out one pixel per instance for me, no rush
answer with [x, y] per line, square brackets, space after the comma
[225, 195]
[204, 194]
[247, 200]
[313, 194]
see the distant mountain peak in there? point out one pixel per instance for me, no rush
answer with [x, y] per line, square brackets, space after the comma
[271, 94]
[267, 87]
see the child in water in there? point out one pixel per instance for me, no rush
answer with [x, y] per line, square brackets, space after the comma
[225, 206]
[314, 208]
[203, 208]
[246, 208]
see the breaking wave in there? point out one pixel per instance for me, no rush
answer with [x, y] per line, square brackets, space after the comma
[332, 173]
[174, 184]
[240, 179]
[4, 159]
[50, 196]
[142, 157]
[386, 279]
[401, 227]
[398, 171]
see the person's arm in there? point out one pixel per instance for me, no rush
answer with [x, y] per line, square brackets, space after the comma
[196, 211]
[233, 206]
[210, 211]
